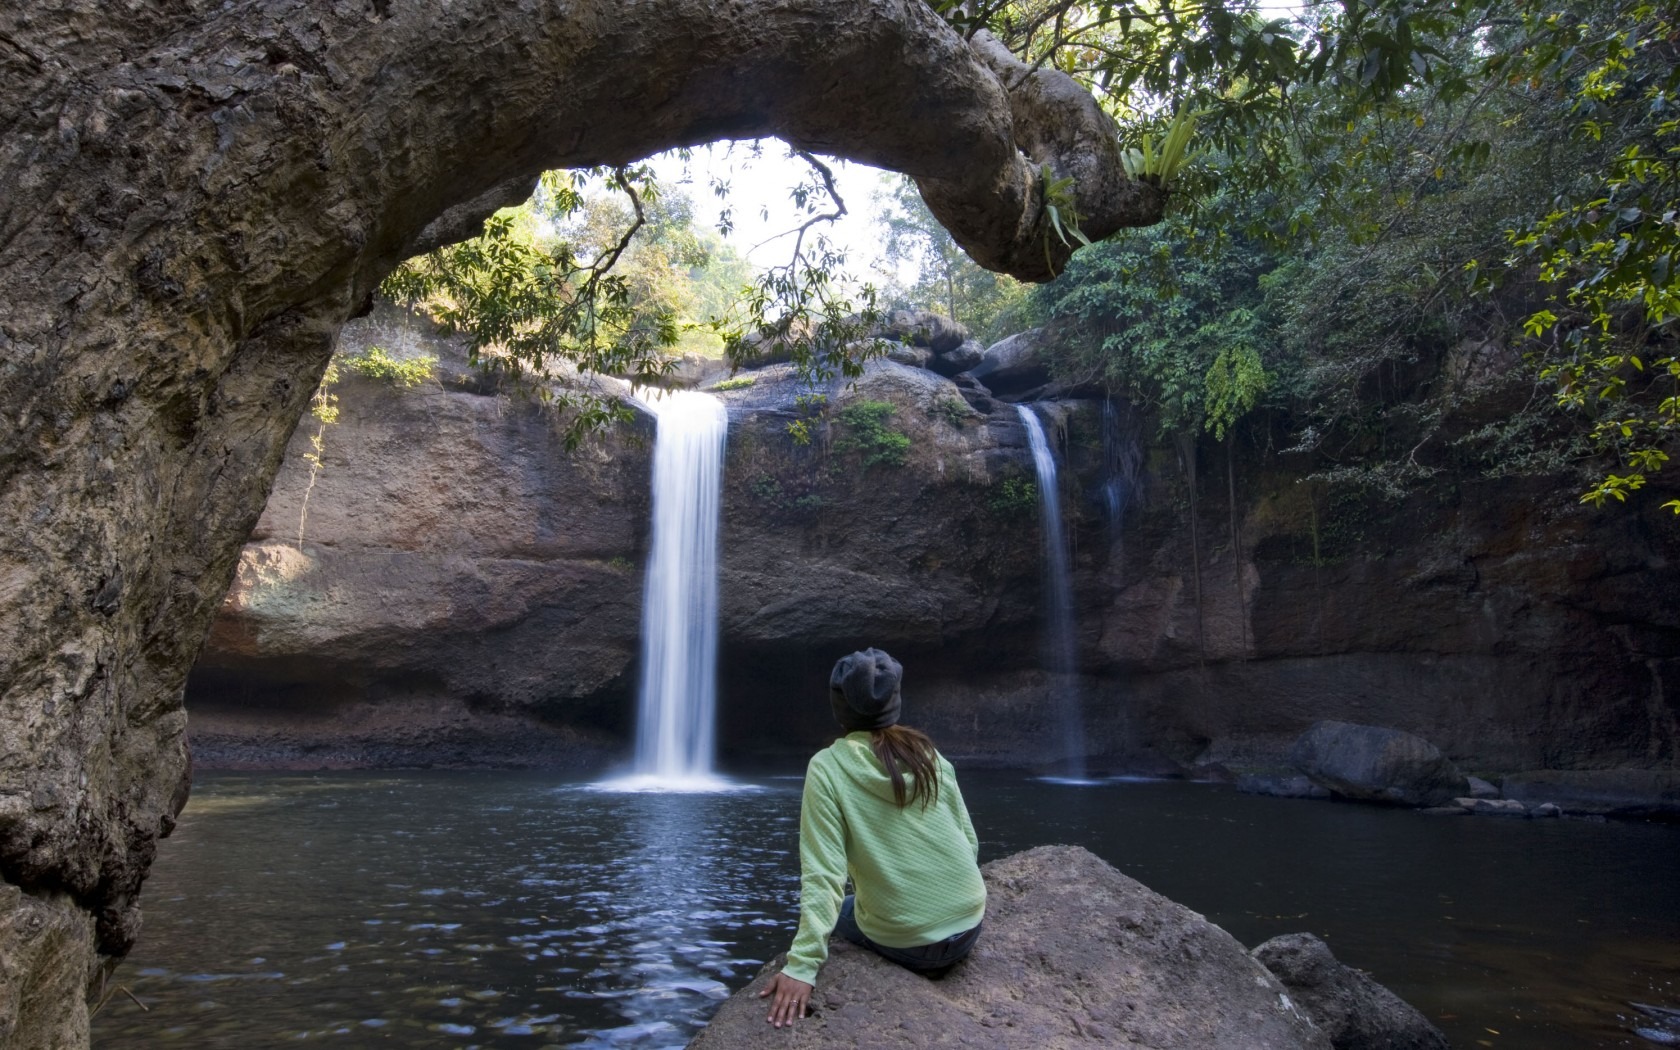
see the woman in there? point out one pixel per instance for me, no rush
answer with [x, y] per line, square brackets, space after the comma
[881, 805]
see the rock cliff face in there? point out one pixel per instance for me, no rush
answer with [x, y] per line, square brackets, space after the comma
[468, 592]
[1498, 620]
[458, 589]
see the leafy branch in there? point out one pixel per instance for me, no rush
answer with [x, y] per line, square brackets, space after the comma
[805, 306]
[528, 301]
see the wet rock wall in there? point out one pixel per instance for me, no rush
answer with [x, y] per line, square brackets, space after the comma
[468, 593]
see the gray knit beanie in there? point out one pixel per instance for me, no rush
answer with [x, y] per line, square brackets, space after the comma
[864, 690]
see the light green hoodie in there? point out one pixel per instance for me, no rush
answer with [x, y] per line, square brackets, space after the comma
[915, 871]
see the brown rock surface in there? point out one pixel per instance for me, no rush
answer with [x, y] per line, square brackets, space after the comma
[1073, 954]
[466, 583]
[1497, 619]
[1377, 764]
[1355, 1012]
[45, 975]
[464, 593]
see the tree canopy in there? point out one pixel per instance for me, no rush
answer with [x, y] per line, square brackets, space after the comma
[1379, 193]
[1356, 195]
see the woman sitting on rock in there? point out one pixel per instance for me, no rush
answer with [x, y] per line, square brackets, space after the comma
[881, 805]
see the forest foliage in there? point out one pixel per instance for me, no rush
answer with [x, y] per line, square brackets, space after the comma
[945, 280]
[1415, 236]
[1405, 235]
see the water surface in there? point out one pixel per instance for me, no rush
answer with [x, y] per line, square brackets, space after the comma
[510, 910]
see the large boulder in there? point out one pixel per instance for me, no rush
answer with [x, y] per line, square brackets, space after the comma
[909, 354]
[1074, 954]
[1356, 1012]
[922, 328]
[1015, 364]
[694, 370]
[1377, 764]
[959, 358]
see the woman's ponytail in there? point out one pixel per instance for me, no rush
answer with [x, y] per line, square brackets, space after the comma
[901, 750]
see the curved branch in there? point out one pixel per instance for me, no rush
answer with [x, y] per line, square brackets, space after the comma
[1057, 123]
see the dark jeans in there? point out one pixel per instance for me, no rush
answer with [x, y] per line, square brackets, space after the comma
[923, 958]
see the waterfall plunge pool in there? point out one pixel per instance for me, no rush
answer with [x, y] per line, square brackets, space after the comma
[510, 910]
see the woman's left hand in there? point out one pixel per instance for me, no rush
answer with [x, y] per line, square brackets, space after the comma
[793, 999]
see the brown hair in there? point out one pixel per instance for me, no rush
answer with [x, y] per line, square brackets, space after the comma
[901, 748]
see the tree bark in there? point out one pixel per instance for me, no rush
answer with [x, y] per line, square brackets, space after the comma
[195, 195]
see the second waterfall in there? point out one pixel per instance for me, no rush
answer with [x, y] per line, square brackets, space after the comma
[676, 710]
[1060, 642]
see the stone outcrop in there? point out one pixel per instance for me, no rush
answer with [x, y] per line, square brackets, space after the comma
[1354, 1011]
[937, 332]
[1073, 954]
[1498, 619]
[929, 340]
[459, 591]
[1377, 764]
[1014, 365]
[44, 969]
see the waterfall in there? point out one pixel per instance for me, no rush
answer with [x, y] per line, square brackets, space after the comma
[677, 704]
[1122, 461]
[1059, 640]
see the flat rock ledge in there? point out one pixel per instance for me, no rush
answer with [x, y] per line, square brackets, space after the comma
[1074, 954]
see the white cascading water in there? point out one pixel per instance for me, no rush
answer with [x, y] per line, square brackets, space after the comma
[1059, 640]
[676, 709]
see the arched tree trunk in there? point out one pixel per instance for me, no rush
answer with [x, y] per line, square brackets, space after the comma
[195, 195]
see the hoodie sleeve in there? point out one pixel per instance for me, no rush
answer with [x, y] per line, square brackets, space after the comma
[822, 880]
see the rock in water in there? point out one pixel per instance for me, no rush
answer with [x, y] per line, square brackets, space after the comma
[1376, 764]
[1280, 785]
[1493, 807]
[1074, 954]
[1610, 792]
[1480, 788]
[1356, 1012]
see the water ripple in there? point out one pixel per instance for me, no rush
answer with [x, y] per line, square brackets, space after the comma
[508, 913]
